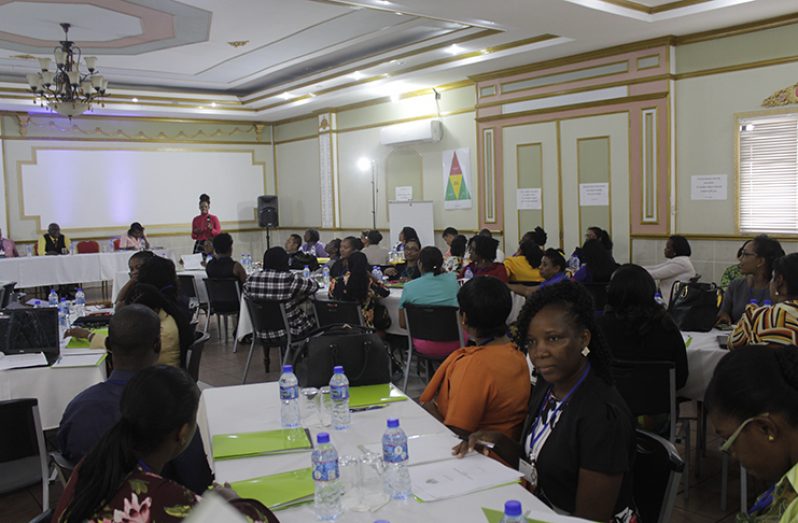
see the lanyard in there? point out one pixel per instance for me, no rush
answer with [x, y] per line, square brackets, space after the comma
[552, 415]
[143, 466]
[763, 501]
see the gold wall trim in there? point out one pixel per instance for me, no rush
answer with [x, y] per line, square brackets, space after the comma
[652, 10]
[737, 67]
[710, 237]
[518, 211]
[297, 139]
[160, 119]
[649, 167]
[581, 57]
[111, 140]
[734, 30]
[403, 120]
[559, 184]
[489, 170]
[566, 82]
[573, 107]
[579, 205]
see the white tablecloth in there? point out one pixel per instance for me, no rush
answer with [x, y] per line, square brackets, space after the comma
[54, 388]
[703, 356]
[246, 408]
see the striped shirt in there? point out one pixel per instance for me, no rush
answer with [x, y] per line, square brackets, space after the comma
[772, 324]
[283, 286]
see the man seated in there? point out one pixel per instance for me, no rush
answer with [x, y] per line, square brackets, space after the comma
[53, 243]
[486, 385]
[8, 249]
[134, 341]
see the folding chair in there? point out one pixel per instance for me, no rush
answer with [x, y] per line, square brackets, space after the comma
[23, 454]
[432, 324]
[224, 300]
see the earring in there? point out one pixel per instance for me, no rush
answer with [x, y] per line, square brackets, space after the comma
[585, 352]
[771, 437]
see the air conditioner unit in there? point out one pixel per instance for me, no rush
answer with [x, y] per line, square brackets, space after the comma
[412, 132]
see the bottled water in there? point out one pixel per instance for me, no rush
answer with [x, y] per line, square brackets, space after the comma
[659, 299]
[63, 317]
[468, 274]
[339, 395]
[327, 491]
[306, 272]
[377, 273]
[52, 298]
[512, 512]
[289, 398]
[29, 250]
[767, 303]
[754, 302]
[325, 274]
[394, 455]
[80, 303]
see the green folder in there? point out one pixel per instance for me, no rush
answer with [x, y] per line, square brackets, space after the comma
[278, 490]
[80, 343]
[371, 395]
[278, 441]
[495, 516]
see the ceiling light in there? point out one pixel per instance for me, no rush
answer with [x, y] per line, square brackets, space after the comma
[384, 2]
[364, 164]
[65, 89]
[134, 100]
[213, 104]
[484, 51]
[311, 95]
[286, 96]
[395, 97]
[357, 75]
[201, 108]
[398, 13]
[454, 49]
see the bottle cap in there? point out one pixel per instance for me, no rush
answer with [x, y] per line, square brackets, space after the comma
[338, 369]
[288, 368]
[393, 423]
[753, 301]
[512, 508]
[322, 438]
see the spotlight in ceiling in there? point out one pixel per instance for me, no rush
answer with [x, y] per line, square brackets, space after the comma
[454, 49]
[134, 100]
[357, 75]
[286, 96]
[213, 104]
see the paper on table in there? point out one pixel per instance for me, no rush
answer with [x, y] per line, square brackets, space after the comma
[79, 360]
[495, 516]
[21, 361]
[82, 343]
[81, 352]
[191, 262]
[278, 490]
[457, 477]
[424, 448]
[213, 508]
[264, 442]
[687, 340]
[368, 395]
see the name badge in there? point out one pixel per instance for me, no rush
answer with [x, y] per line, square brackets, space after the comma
[529, 471]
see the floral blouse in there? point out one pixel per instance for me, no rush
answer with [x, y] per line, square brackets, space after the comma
[783, 508]
[145, 497]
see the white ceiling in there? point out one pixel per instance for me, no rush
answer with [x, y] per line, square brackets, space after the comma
[304, 55]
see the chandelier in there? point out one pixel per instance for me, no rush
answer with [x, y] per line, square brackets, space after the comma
[66, 90]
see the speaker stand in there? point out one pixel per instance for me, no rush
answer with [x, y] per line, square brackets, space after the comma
[268, 239]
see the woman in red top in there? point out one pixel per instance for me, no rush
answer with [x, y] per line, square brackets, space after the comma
[482, 252]
[204, 226]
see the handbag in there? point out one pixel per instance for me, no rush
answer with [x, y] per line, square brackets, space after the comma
[363, 355]
[694, 306]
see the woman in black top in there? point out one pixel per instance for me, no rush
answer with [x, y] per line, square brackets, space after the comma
[597, 263]
[222, 265]
[637, 327]
[349, 246]
[578, 442]
[357, 285]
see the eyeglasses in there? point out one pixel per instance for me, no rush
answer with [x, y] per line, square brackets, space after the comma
[727, 445]
[744, 254]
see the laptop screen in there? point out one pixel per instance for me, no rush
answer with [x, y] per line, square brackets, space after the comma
[29, 330]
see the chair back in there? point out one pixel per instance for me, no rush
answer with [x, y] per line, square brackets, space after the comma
[331, 312]
[6, 294]
[23, 453]
[187, 285]
[599, 292]
[657, 471]
[88, 246]
[649, 387]
[194, 355]
[267, 315]
[224, 295]
[117, 243]
[433, 323]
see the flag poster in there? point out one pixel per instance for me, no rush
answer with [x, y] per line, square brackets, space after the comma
[457, 179]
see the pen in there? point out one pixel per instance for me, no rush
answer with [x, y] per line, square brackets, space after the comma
[363, 409]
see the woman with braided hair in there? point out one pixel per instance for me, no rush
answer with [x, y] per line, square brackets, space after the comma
[752, 402]
[578, 441]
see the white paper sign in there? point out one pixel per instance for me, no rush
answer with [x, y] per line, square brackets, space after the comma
[404, 193]
[594, 194]
[529, 199]
[708, 187]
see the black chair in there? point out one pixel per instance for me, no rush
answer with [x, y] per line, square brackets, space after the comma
[331, 312]
[649, 388]
[224, 300]
[599, 293]
[194, 355]
[267, 316]
[23, 454]
[657, 470]
[63, 467]
[432, 324]
[44, 517]
[187, 286]
[6, 294]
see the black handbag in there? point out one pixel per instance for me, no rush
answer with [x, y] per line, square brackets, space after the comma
[363, 355]
[694, 306]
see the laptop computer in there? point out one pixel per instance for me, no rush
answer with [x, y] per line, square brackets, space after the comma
[24, 331]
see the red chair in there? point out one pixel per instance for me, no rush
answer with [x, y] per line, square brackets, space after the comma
[116, 244]
[88, 246]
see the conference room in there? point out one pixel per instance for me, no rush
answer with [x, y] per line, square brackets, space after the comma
[501, 220]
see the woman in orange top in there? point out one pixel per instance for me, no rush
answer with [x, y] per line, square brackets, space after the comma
[205, 225]
[484, 386]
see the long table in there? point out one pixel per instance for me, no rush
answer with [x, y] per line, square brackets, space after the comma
[256, 407]
[703, 355]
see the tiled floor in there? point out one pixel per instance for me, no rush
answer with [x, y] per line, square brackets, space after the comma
[221, 367]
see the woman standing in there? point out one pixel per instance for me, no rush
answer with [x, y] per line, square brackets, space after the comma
[205, 225]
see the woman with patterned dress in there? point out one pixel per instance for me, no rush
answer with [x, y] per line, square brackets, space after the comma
[357, 285]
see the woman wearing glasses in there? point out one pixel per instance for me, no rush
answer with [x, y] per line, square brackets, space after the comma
[756, 264]
[751, 402]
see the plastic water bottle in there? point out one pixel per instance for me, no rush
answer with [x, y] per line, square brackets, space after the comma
[659, 299]
[767, 303]
[52, 298]
[80, 303]
[754, 302]
[306, 272]
[468, 274]
[327, 491]
[377, 273]
[29, 250]
[325, 274]
[289, 398]
[63, 317]
[512, 512]
[394, 455]
[339, 395]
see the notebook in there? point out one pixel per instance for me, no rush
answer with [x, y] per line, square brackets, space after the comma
[278, 441]
[370, 395]
[278, 491]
